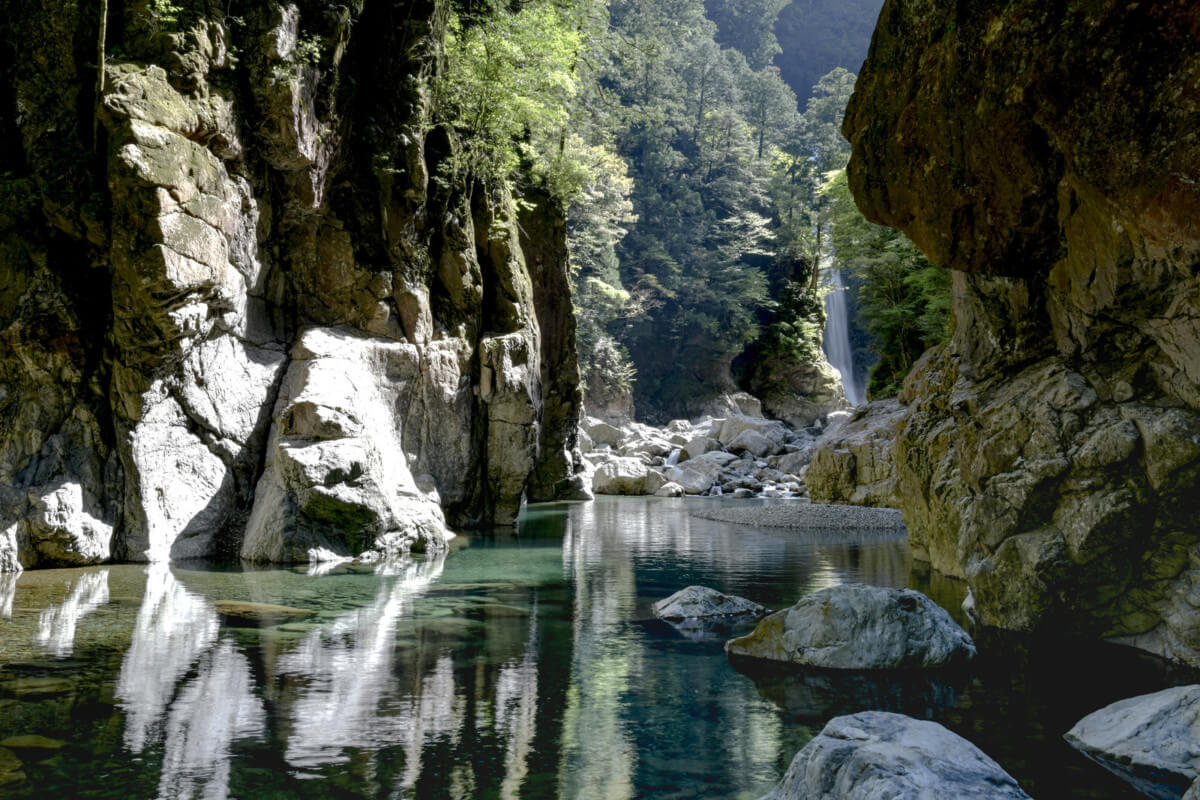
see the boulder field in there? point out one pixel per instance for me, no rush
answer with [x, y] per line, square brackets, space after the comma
[741, 455]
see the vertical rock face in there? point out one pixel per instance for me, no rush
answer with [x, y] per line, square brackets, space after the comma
[232, 292]
[1048, 154]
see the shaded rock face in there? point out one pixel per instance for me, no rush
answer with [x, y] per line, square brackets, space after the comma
[797, 391]
[856, 626]
[852, 463]
[1152, 741]
[879, 754]
[1047, 154]
[231, 291]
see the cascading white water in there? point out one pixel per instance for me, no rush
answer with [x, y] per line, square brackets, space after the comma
[836, 339]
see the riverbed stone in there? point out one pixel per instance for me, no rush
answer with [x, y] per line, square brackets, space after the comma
[602, 433]
[1193, 792]
[1152, 740]
[752, 442]
[857, 626]
[12, 771]
[700, 445]
[246, 614]
[876, 754]
[700, 602]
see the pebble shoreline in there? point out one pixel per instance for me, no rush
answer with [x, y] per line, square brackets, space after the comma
[803, 515]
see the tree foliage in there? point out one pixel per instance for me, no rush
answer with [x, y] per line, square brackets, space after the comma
[904, 299]
[699, 200]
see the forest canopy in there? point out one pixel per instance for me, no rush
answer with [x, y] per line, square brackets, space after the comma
[702, 202]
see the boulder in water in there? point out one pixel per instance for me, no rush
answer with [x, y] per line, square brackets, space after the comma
[856, 626]
[701, 602]
[1152, 741]
[876, 754]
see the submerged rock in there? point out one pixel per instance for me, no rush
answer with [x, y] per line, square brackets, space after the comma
[11, 768]
[32, 741]
[1152, 741]
[857, 626]
[700, 602]
[36, 687]
[245, 614]
[876, 754]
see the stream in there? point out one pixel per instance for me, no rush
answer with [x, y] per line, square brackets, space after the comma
[521, 665]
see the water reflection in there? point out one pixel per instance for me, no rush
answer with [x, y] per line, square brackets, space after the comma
[8, 590]
[343, 671]
[517, 667]
[57, 624]
[213, 710]
[598, 752]
[173, 627]
[516, 712]
[816, 695]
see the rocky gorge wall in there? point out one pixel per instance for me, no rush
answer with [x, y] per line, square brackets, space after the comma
[242, 309]
[1048, 153]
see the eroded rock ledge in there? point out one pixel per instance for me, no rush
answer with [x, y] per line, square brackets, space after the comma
[1048, 154]
[232, 292]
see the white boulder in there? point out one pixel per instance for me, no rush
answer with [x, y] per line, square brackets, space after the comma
[876, 754]
[1152, 741]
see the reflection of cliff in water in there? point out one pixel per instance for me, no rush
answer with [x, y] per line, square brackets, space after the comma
[57, 624]
[339, 679]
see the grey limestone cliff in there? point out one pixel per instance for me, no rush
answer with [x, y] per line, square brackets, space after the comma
[242, 310]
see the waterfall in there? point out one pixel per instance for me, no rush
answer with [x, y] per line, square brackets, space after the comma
[837, 339]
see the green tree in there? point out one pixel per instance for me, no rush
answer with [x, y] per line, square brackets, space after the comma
[904, 299]
[748, 26]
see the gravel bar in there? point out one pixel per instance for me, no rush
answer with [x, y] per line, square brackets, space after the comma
[803, 515]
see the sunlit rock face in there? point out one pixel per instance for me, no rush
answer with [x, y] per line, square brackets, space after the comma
[242, 185]
[1052, 447]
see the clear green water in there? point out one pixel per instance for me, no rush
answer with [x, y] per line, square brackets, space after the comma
[516, 666]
